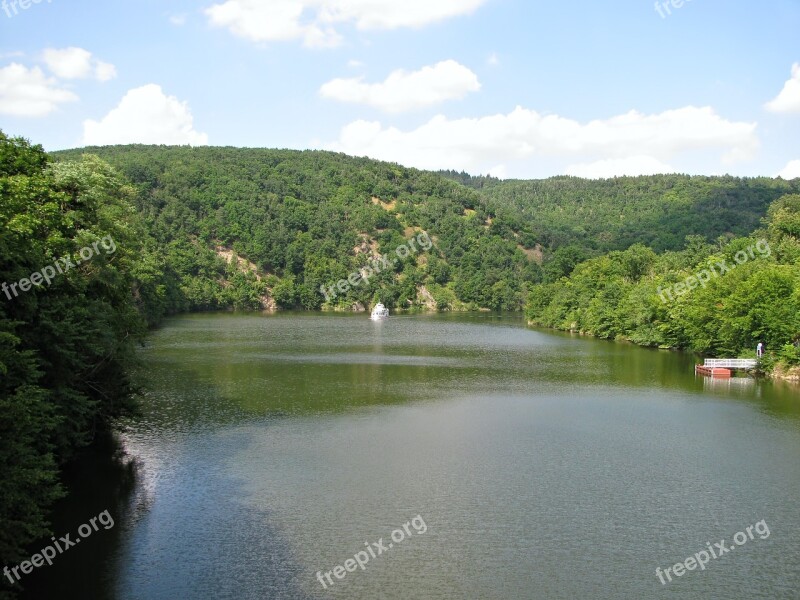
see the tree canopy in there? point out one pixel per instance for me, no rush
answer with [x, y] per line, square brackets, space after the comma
[720, 299]
[301, 220]
[66, 341]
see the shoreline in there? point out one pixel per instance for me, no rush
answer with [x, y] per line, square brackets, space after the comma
[780, 372]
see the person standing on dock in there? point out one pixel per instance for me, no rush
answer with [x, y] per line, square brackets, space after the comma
[760, 350]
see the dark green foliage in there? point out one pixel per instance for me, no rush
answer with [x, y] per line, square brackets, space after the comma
[300, 216]
[613, 214]
[631, 294]
[308, 219]
[64, 347]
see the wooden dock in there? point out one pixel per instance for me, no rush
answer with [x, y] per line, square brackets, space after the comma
[731, 363]
[722, 368]
[717, 372]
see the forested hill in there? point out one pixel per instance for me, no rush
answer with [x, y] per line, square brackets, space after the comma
[720, 299]
[297, 221]
[613, 214]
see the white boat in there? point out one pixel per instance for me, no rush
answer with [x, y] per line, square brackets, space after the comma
[379, 312]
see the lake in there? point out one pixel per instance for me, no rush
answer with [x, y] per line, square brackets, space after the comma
[513, 462]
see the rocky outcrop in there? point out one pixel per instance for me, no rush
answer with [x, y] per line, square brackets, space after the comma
[786, 373]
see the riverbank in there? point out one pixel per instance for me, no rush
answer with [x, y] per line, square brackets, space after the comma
[786, 373]
[779, 371]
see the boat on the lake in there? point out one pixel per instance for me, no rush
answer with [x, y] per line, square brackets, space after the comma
[379, 313]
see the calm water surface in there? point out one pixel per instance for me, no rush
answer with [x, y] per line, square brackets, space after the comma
[542, 465]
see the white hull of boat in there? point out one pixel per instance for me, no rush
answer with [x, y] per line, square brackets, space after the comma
[379, 313]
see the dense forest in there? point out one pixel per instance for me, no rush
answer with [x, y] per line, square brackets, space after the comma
[658, 211]
[298, 221]
[68, 322]
[100, 244]
[720, 298]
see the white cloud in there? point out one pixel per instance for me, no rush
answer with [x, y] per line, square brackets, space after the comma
[273, 21]
[313, 21]
[390, 14]
[104, 71]
[493, 60]
[77, 63]
[145, 116]
[616, 167]
[788, 101]
[355, 64]
[791, 170]
[29, 92]
[403, 90]
[178, 20]
[475, 144]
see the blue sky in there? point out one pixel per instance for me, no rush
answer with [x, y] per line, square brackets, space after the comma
[515, 88]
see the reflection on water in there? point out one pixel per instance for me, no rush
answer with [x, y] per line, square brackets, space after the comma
[545, 465]
[746, 386]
